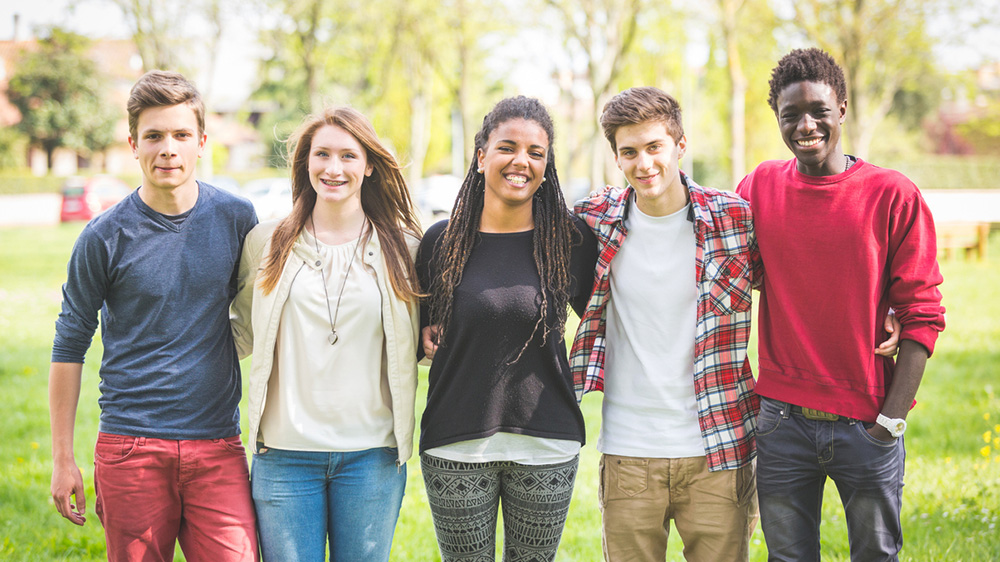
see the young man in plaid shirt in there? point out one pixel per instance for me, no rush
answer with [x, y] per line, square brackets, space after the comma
[674, 351]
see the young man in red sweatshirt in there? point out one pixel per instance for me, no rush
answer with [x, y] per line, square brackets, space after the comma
[842, 241]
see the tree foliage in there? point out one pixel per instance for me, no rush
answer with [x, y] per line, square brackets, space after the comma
[881, 44]
[59, 92]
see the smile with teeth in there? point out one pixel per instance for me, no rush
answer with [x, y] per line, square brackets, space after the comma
[806, 143]
[516, 180]
[332, 183]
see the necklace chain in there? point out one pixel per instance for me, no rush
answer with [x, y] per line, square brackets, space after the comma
[332, 314]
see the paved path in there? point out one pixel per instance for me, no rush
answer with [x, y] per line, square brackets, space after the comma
[29, 210]
[948, 205]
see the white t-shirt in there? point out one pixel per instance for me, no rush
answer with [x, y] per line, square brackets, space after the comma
[323, 397]
[649, 400]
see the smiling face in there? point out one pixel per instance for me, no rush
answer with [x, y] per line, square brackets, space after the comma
[338, 164]
[810, 118]
[648, 156]
[168, 145]
[513, 162]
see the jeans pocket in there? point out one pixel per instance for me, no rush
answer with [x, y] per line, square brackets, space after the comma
[113, 449]
[769, 417]
[863, 427]
[633, 475]
[232, 444]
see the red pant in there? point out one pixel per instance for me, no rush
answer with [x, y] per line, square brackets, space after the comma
[153, 492]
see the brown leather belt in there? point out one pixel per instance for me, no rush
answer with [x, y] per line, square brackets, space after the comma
[811, 414]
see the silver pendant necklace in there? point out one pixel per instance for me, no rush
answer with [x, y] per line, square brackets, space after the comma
[332, 314]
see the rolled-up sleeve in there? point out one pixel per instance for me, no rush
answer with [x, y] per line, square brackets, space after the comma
[914, 274]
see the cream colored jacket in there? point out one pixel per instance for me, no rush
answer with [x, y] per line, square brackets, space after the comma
[256, 314]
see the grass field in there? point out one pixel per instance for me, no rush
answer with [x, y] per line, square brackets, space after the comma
[951, 501]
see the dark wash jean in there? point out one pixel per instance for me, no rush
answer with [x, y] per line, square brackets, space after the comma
[795, 455]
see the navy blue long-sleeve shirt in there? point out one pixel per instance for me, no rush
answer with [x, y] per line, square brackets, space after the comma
[163, 290]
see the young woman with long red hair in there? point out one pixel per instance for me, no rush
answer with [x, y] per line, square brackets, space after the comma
[328, 303]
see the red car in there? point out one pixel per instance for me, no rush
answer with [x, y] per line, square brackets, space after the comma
[85, 198]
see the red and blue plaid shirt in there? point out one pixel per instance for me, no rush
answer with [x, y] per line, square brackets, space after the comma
[726, 254]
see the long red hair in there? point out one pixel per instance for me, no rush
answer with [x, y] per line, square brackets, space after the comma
[385, 200]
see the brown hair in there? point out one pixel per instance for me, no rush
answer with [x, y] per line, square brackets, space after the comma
[639, 105]
[385, 200]
[160, 88]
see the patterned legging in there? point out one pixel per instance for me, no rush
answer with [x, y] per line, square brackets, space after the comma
[464, 498]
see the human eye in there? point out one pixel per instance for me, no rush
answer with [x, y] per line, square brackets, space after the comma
[538, 154]
[151, 136]
[350, 155]
[320, 153]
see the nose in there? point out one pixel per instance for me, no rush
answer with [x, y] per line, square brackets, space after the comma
[807, 124]
[169, 146]
[521, 158]
[334, 167]
[643, 161]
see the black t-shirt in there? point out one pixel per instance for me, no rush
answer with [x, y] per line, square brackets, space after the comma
[475, 390]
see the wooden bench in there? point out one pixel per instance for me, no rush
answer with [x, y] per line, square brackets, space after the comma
[972, 237]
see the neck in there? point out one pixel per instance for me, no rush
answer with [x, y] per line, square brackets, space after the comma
[336, 224]
[667, 203]
[499, 218]
[836, 164]
[169, 201]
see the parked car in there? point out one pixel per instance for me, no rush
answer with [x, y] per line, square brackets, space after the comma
[85, 198]
[271, 197]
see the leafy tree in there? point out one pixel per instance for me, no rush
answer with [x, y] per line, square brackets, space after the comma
[57, 89]
[881, 44]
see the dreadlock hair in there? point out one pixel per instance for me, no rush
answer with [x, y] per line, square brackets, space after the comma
[554, 231]
[806, 65]
[385, 200]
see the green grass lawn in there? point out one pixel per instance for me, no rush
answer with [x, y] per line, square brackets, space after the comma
[951, 501]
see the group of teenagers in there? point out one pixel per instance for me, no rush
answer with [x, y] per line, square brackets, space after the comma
[337, 302]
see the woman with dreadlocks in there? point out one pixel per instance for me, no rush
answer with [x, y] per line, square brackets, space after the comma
[502, 425]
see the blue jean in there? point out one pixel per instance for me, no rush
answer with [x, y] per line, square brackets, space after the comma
[795, 455]
[304, 497]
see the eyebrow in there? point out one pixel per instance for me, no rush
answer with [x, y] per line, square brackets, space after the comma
[181, 130]
[653, 141]
[507, 141]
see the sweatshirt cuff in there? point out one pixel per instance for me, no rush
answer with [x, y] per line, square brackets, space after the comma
[924, 334]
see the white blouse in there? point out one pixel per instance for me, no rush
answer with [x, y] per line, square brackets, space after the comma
[323, 397]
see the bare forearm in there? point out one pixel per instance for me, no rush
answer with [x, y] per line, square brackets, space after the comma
[906, 379]
[64, 394]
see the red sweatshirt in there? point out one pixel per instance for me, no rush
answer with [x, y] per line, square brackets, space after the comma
[838, 251]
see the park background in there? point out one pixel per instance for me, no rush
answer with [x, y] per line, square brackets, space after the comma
[924, 97]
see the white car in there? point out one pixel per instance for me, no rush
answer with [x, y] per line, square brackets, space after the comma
[271, 197]
[435, 195]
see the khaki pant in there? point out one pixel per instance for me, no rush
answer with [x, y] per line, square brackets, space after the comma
[714, 512]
